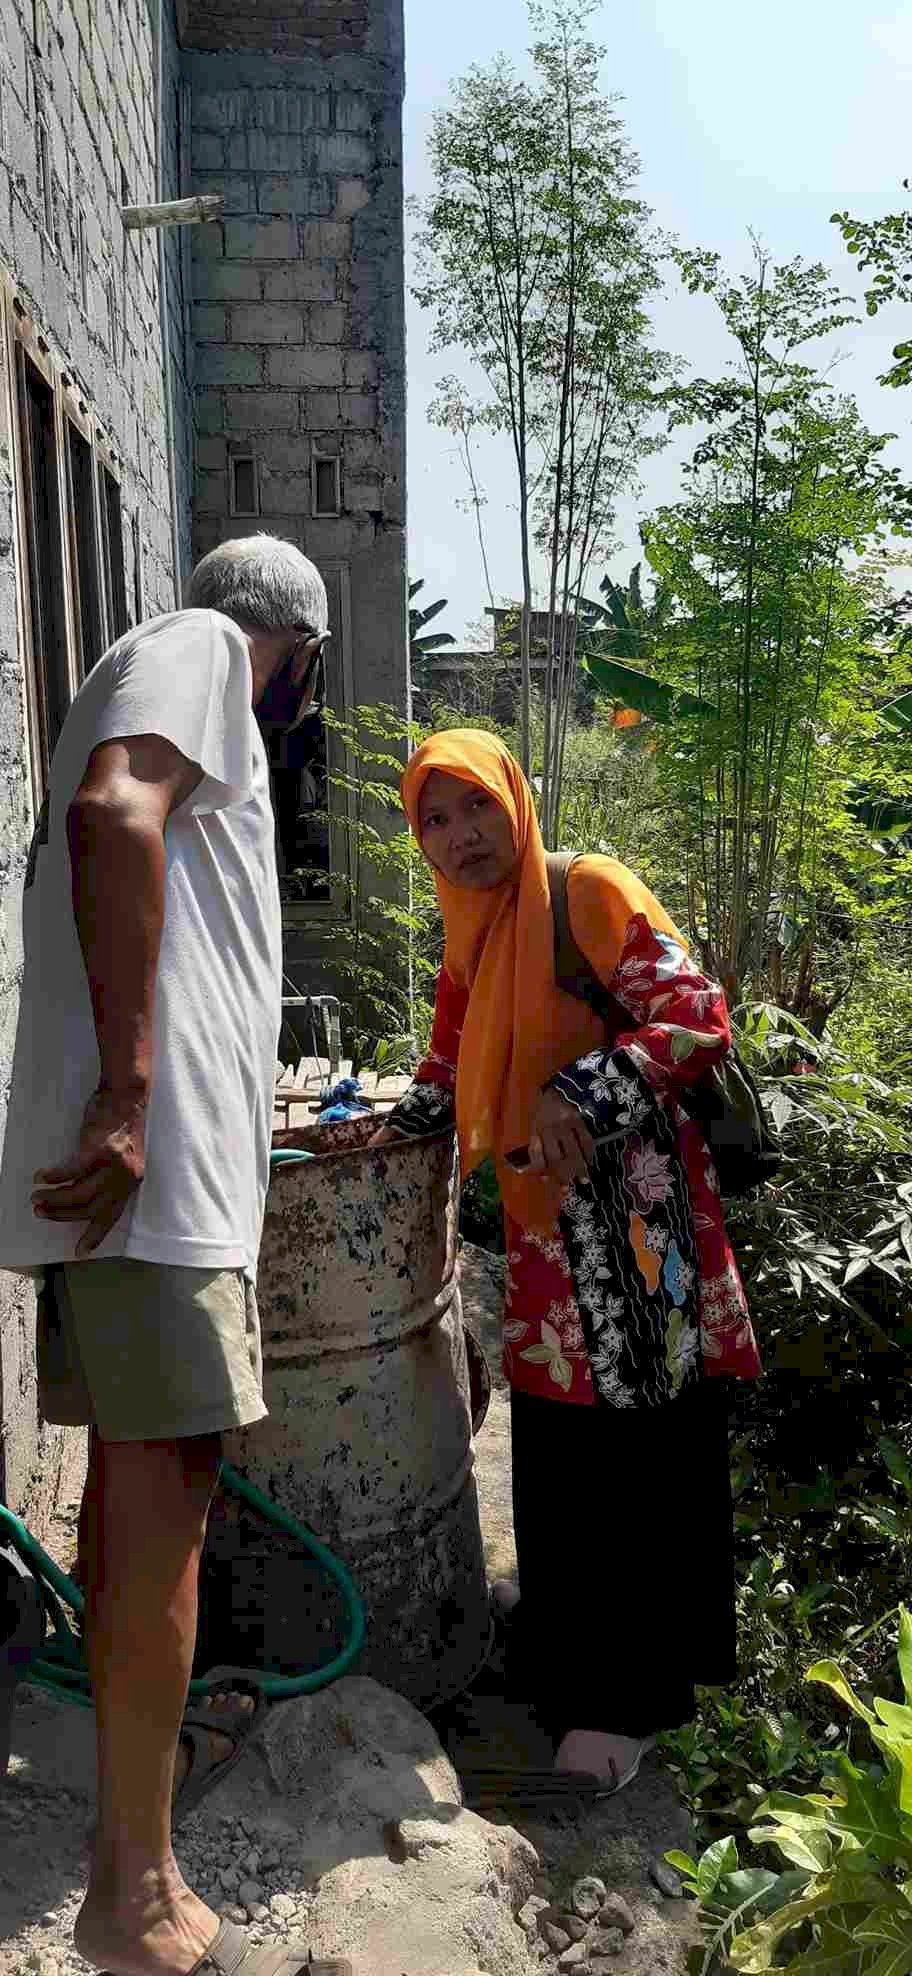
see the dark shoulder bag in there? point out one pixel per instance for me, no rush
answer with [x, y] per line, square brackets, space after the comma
[725, 1102]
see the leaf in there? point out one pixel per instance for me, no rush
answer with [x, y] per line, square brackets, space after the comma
[751, 1952]
[782, 1110]
[718, 1859]
[869, 1813]
[811, 1851]
[895, 1718]
[537, 1355]
[514, 1329]
[905, 1651]
[682, 1863]
[551, 1338]
[830, 1675]
[893, 1928]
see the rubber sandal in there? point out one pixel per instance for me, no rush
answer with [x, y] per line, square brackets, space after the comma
[547, 1787]
[230, 1953]
[198, 1724]
[531, 1789]
[647, 1743]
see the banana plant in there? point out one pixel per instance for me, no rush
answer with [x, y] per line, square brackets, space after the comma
[620, 630]
[419, 642]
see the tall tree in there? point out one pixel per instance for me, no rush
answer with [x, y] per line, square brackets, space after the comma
[771, 629]
[537, 259]
[885, 246]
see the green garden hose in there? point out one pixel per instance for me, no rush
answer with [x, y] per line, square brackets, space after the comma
[61, 1666]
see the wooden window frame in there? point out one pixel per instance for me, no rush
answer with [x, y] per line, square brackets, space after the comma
[139, 566]
[76, 414]
[115, 586]
[21, 336]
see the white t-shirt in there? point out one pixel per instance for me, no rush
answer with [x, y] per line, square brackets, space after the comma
[218, 993]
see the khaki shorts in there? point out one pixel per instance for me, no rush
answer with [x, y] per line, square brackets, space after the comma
[148, 1351]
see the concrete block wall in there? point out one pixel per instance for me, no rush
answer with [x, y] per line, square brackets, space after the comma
[298, 318]
[298, 313]
[87, 66]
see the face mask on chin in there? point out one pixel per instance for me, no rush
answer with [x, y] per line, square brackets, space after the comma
[284, 704]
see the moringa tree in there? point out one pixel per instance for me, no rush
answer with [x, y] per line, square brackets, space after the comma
[886, 246]
[538, 260]
[772, 630]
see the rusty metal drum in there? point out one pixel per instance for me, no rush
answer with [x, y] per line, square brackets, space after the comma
[368, 1439]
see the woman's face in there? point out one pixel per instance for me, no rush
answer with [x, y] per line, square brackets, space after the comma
[465, 833]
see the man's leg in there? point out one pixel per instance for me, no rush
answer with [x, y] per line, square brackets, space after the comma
[144, 1525]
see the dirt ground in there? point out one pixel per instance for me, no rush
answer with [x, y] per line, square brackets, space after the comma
[46, 1803]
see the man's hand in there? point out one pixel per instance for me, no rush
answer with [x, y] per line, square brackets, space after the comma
[559, 1143]
[96, 1186]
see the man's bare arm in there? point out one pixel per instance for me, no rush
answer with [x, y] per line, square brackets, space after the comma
[116, 834]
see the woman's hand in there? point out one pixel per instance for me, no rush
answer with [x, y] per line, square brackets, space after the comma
[559, 1141]
[385, 1135]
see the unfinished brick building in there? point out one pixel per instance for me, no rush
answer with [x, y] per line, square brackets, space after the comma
[160, 390]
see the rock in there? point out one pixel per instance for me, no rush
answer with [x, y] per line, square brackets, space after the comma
[587, 1897]
[666, 1879]
[573, 1926]
[283, 1907]
[575, 1957]
[229, 1877]
[232, 1913]
[615, 1912]
[607, 1941]
[251, 1864]
[361, 1810]
[251, 1893]
[556, 1938]
[527, 1917]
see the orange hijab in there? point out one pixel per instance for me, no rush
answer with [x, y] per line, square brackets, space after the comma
[520, 1028]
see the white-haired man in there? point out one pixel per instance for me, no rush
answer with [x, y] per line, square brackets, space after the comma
[141, 1110]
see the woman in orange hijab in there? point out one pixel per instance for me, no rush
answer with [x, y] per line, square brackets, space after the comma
[622, 1290]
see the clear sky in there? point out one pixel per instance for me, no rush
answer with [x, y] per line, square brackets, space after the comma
[765, 118]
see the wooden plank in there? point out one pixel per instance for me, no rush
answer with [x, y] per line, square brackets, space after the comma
[177, 212]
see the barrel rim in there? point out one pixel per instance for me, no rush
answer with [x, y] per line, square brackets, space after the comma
[391, 1147]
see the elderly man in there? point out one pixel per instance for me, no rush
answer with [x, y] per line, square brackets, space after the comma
[141, 1111]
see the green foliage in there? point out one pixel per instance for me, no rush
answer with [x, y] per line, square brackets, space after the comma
[853, 1842]
[773, 624]
[886, 246]
[729, 1896]
[823, 1518]
[538, 260]
[388, 936]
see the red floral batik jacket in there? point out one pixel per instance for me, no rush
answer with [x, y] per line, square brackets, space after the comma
[676, 1015]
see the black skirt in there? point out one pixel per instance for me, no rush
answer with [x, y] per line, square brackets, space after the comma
[624, 1540]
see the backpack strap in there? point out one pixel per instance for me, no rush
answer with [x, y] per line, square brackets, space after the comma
[572, 971]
